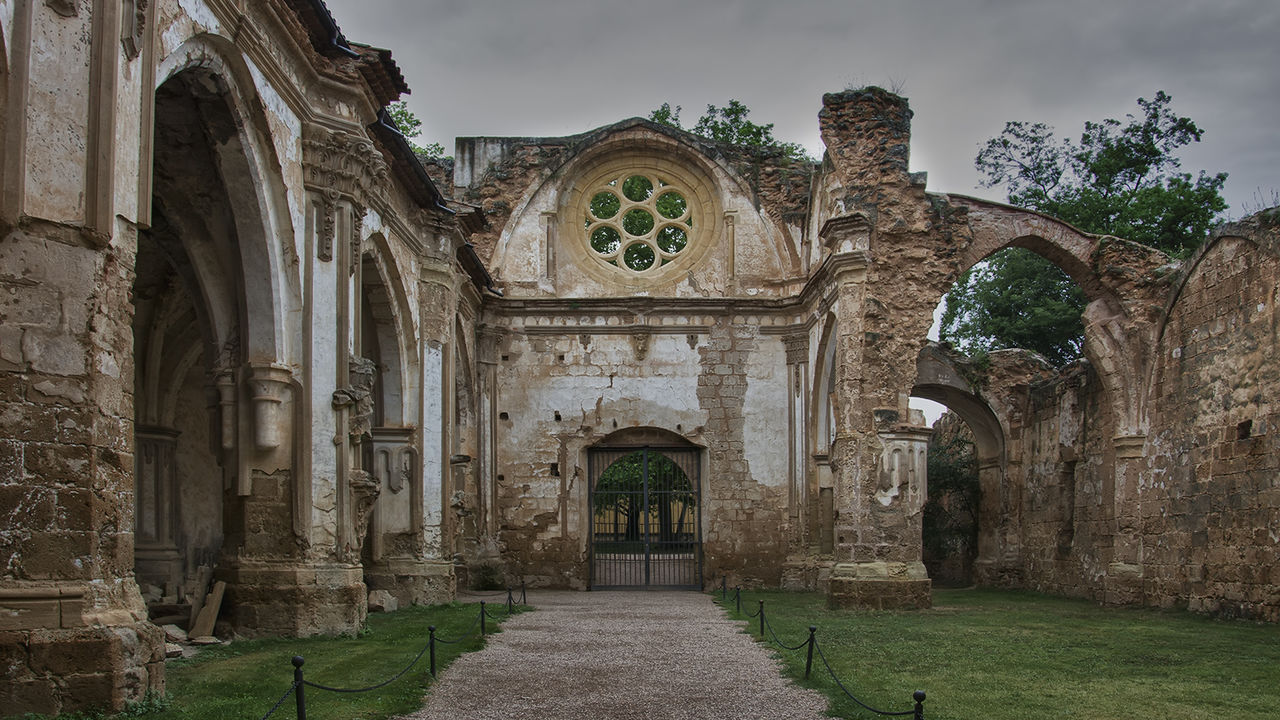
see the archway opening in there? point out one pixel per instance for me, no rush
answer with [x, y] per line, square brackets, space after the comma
[645, 515]
[187, 349]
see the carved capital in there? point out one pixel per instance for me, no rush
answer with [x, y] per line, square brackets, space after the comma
[797, 348]
[846, 233]
[348, 164]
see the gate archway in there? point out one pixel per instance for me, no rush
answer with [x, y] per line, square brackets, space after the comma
[645, 517]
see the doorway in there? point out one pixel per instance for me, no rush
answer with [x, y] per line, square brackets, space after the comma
[645, 518]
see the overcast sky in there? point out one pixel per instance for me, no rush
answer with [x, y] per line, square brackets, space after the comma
[560, 67]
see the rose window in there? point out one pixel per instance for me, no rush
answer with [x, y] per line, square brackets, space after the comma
[638, 221]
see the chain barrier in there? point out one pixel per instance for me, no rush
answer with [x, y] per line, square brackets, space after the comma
[299, 683]
[280, 702]
[811, 643]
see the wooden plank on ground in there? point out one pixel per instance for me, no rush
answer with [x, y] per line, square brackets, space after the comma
[209, 611]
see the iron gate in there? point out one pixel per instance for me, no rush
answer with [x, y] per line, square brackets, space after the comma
[645, 518]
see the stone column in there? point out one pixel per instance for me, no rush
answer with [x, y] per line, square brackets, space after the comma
[73, 627]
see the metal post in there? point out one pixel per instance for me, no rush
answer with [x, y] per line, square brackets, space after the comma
[918, 696]
[431, 629]
[482, 614]
[510, 601]
[737, 597]
[808, 661]
[523, 600]
[761, 619]
[724, 588]
[298, 686]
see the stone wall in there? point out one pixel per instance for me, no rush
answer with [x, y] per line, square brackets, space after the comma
[1211, 508]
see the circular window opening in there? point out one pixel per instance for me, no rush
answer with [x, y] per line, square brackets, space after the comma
[638, 222]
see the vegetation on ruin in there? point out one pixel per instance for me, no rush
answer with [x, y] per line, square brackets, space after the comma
[950, 522]
[1121, 178]
[245, 678]
[1005, 655]
[729, 125]
[411, 127]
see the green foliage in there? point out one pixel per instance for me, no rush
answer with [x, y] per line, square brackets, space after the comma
[950, 524]
[624, 493]
[411, 127]
[1121, 178]
[1016, 299]
[729, 125]
[1003, 655]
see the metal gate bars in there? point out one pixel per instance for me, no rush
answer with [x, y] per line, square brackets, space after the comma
[645, 518]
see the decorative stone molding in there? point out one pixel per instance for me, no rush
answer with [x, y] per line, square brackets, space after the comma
[133, 25]
[344, 163]
[640, 343]
[846, 233]
[358, 396]
[365, 490]
[65, 8]
[268, 388]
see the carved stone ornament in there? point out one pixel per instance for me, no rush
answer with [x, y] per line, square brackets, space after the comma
[133, 25]
[65, 8]
[357, 398]
[364, 493]
[328, 221]
[357, 238]
[347, 164]
[640, 342]
[797, 348]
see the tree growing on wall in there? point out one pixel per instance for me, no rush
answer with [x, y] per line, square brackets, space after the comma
[1121, 178]
[729, 124]
[411, 127]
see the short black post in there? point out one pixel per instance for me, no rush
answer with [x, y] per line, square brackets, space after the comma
[523, 599]
[808, 661]
[482, 614]
[298, 686]
[761, 619]
[919, 698]
[510, 601]
[737, 597]
[431, 643]
[724, 588]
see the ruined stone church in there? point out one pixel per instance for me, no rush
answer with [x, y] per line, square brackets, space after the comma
[248, 337]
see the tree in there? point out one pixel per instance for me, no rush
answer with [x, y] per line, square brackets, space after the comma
[1121, 178]
[411, 127]
[729, 124]
[950, 523]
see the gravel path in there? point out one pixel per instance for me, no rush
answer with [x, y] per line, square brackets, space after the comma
[619, 655]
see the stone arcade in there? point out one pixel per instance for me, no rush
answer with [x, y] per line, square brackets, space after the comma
[245, 335]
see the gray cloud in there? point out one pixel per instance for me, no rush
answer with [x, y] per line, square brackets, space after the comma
[552, 67]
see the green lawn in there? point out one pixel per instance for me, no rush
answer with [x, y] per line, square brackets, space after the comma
[242, 680]
[997, 655]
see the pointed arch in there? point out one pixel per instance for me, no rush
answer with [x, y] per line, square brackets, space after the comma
[211, 71]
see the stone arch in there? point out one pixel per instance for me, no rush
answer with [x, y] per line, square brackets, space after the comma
[550, 199]
[387, 327]
[212, 68]
[1119, 328]
[822, 421]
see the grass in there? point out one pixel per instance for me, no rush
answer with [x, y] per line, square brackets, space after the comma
[243, 679]
[1001, 655]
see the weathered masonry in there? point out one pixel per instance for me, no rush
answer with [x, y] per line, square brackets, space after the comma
[247, 336]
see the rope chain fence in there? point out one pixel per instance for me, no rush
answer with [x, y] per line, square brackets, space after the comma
[811, 643]
[299, 682]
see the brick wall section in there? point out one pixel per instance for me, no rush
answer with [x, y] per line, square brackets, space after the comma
[1211, 511]
[1064, 467]
[743, 517]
